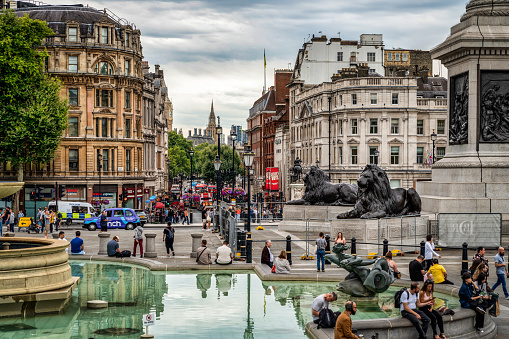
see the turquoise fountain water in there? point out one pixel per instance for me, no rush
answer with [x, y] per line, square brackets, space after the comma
[222, 304]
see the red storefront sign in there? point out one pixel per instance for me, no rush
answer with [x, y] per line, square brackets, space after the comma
[272, 178]
[130, 192]
[146, 191]
[139, 192]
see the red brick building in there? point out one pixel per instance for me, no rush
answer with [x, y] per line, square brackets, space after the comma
[267, 113]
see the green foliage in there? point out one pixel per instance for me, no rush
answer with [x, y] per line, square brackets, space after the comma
[32, 115]
[178, 153]
[205, 155]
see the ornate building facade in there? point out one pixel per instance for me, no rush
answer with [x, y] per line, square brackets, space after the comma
[115, 110]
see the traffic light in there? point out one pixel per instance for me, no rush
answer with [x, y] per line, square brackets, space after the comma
[32, 195]
[120, 197]
[38, 192]
[62, 191]
[124, 194]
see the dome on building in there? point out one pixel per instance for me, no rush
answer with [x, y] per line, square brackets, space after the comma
[486, 8]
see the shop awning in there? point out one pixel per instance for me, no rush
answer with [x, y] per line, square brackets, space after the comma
[159, 205]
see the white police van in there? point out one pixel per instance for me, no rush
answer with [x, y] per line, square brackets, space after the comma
[73, 211]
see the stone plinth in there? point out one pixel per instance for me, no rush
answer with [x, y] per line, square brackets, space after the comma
[295, 217]
[196, 243]
[297, 191]
[473, 177]
[104, 237]
[150, 243]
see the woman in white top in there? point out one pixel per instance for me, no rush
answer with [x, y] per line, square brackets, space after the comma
[282, 264]
[429, 251]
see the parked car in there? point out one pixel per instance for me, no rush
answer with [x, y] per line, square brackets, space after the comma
[117, 218]
[142, 215]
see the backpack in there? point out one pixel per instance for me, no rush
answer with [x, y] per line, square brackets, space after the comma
[125, 253]
[397, 297]
[326, 319]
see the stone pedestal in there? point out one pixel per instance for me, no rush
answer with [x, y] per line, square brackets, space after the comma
[319, 218]
[150, 243]
[297, 191]
[473, 177]
[104, 237]
[196, 243]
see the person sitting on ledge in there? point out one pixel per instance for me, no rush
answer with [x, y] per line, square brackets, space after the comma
[409, 304]
[282, 264]
[416, 270]
[322, 302]
[224, 254]
[343, 329]
[203, 254]
[77, 246]
[439, 273]
[112, 248]
[469, 298]
[267, 257]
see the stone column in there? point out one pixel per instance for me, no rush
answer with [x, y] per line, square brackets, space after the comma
[196, 243]
[150, 243]
[104, 237]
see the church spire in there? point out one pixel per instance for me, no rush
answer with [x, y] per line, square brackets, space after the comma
[212, 116]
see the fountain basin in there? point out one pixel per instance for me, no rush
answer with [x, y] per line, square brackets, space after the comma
[35, 276]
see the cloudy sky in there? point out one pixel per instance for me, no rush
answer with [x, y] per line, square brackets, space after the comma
[214, 49]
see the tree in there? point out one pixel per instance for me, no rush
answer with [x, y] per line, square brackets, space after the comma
[178, 153]
[205, 154]
[32, 115]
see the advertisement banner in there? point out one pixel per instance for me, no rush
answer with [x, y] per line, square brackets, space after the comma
[272, 178]
[476, 229]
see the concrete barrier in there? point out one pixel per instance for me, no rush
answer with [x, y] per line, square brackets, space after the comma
[150, 243]
[104, 237]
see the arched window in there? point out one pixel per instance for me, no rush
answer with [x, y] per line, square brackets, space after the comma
[103, 67]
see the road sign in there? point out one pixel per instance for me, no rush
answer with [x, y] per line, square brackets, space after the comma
[149, 319]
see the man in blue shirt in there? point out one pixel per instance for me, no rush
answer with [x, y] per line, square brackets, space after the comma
[77, 244]
[501, 271]
[113, 248]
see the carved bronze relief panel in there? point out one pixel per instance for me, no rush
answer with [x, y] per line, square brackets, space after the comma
[458, 110]
[494, 106]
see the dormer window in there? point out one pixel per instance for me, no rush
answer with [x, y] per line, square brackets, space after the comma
[104, 68]
[73, 34]
[128, 40]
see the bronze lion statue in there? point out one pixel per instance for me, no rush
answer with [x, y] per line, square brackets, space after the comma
[376, 198]
[320, 191]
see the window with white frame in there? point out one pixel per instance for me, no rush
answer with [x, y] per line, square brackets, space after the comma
[371, 57]
[396, 57]
[395, 98]
[128, 40]
[372, 155]
[394, 126]
[73, 159]
[104, 35]
[73, 63]
[405, 57]
[353, 152]
[440, 127]
[389, 56]
[420, 127]
[420, 155]
[373, 98]
[353, 124]
[73, 97]
[394, 155]
[373, 126]
[354, 99]
[127, 67]
[440, 153]
[73, 34]
[340, 56]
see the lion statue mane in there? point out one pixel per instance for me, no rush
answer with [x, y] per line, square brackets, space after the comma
[376, 198]
[320, 191]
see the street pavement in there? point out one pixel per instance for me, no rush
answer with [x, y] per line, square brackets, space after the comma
[451, 259]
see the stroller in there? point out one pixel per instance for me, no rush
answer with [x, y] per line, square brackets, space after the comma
[33, 227]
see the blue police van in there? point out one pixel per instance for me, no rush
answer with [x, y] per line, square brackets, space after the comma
[117, 218]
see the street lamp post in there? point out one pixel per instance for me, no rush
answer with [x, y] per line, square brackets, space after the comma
[217, 167]
[100, 166]
[376, 156]
[248, 162]
[168, 162]
[191, 153]
[330, 178]
[234, 138]
[433, 138]
[219, 131]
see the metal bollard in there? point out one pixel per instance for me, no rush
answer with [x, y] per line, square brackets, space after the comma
[422, 247]
[249, 251]
[353, 249]
[327, 247]
[386, 247]
[289, 249]
[464, 259]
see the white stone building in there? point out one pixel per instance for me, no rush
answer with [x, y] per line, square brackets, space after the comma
[321, 58]
[395, 116]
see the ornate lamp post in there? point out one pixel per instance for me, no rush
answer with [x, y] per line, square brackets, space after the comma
[233, 136]
[191, 153]
[100, 166]
[376, 156]
[168, 162]
[217, 167]
[433, 138]
[248, 162]
[219, 131]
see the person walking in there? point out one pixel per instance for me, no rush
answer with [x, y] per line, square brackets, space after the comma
[320, 252]
[40, 219]
[501, 271]
[104, 222]
[208, 218]
[5, 218]
[46, 222]
[11, 220]
[426, 298]
[168, 238]
[138, 240]
[429, 251]
[52, 219]
[204, 219]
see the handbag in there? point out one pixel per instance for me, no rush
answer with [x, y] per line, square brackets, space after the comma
[273, 269]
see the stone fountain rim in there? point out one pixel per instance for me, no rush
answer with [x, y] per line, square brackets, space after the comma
[52, 246]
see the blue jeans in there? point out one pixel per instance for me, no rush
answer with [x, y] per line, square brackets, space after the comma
[320, 258]
[1, 228]
[501, 281]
